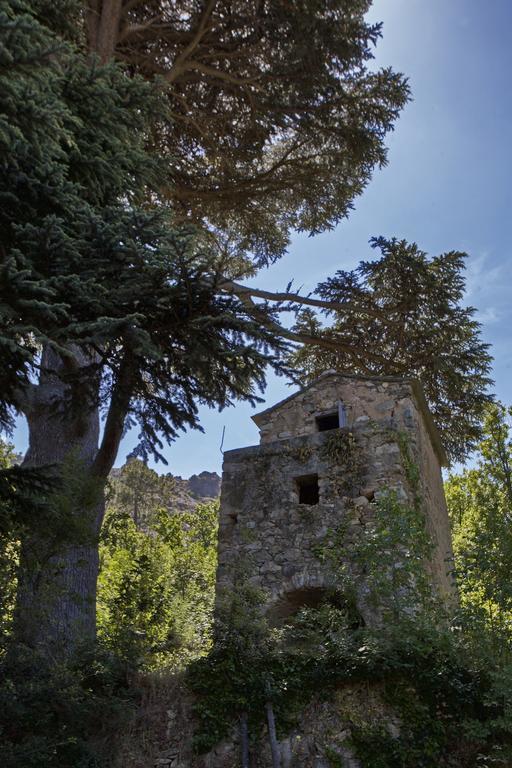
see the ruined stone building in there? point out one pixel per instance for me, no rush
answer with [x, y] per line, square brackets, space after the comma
[280, 498]
[327, 454]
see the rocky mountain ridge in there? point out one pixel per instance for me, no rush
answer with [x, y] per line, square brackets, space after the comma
[141, 491]
[199, 488]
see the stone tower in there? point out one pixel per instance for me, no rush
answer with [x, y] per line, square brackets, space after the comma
[279, 499]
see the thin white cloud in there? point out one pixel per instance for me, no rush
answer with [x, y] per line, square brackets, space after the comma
[485, 279]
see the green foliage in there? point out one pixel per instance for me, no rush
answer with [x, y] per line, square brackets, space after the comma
[156, 584]
[393, 552]
[24, 505]
[141, 492]
[155, 606]
[444, 688]
[341, 449]
[234, 677]
[386, 564]
[8, 543]
[58, 110]
[452, 706]
[93, 261]
[328, 645]
[407, 317]
[90, 262]
[480, 506]
[412, 471]
[277, 116]
[63, 714]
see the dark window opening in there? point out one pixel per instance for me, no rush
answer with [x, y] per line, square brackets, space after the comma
[328, 421]
[308, 489]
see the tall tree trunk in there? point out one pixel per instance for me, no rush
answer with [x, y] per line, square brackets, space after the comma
[244, 739]
[59, 565]
[274, 746]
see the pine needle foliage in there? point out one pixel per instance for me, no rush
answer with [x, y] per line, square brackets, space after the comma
[88, 265]
[403, 314]
[277, 116]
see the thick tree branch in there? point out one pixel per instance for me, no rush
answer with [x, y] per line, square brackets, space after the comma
[201, 31]
[116, 418]
[136, 29]
[109, 28]
[218, 74]
[325, 342]
[243, 290]
[92, 21]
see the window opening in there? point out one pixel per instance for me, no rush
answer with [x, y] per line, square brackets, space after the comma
[328, 421]
[308, 489]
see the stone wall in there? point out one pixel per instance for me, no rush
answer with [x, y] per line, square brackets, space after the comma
[262, 522]
[320, 737]
[270, 539]
[434, 503]
[386, 400]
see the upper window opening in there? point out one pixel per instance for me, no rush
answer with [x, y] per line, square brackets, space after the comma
[328, 421]
[308, 489]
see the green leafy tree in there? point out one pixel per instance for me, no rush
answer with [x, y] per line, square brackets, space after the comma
[148, 348]
[24, 506]
[276, 121]
[8, 544]
[141, 492]
[156, 587]
[403, 314]
[480, 505]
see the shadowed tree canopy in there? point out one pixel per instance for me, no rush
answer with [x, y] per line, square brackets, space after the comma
[185, 141]
[272, 133]
[405, 314]
[108, 305]
[274, 119]
[92, 275]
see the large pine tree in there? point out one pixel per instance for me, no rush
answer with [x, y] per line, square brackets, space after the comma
[129, 216]
[406, 310]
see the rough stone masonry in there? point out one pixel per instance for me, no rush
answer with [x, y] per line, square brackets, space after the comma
[326, 453]
[279, 499]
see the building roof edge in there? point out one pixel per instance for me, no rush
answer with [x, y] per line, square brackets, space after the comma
[417, 389]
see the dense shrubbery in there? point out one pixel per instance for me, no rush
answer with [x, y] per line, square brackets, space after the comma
[452, 701]
[449, 683]
[154, 608]
[447, 679]
[61, 714]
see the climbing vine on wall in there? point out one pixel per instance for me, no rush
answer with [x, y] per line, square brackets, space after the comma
[343, 454]
[385, 564]
[442, 698]
[411, 469]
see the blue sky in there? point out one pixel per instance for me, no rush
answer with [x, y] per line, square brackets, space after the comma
[447, 186]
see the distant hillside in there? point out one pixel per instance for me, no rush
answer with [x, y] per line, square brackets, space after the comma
[141, 491]
[204, 485]
[199, 488]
